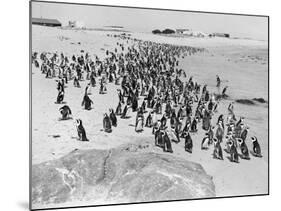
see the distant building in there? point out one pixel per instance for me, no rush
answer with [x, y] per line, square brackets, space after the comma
[76, 24]
[221, 35]
[182, 31]
[45, 22]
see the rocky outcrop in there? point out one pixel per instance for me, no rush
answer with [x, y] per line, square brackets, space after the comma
[131, 173]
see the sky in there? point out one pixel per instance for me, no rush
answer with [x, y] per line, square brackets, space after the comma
[146, 20]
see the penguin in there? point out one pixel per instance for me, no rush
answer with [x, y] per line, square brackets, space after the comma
[224, 95]
[124, 112]
[87, 102]
[211, 133]
[65, 112]
[206, 120]
[163, 121]
[188, 143]
[243, 148]
[217, 154]
[244, 133]
[233, 152]
[174, 136]
[81, 131]
[230, 108]
[167, 146]
[143, 106]
[173, 119]
[113, 118]
[206, 142]
[158, 136]
[134, 103]
[193, 127]
[215, 109]
[218, 81]
[60, 97]
[88, 89]
[106, 123]
[220, 120]
[139, 122]
[76, 82]
[256, 147]
[118, 110]
[148, 122]
[220, 133]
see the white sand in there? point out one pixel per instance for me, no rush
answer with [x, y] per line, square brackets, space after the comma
[225, 57]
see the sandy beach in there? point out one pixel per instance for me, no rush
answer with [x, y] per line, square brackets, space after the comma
[241, 64]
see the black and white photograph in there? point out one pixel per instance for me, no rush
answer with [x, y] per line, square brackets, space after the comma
[135, 105]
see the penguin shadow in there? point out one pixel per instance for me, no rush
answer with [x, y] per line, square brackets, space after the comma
[232, 161]
[131, 125]
[62, 103]
[126, 117]
[217, 158]
[77, 139]
[226, 150]
[65, 119]
[88, 109]
[255, 155]
[243, 157]
[54, 136]
[139, 131]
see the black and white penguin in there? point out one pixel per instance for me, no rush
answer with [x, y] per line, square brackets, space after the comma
[233, 152]
[134, 103]
[60, 97]
[244, 133]
[206, 123]
[224, 92]
[188, 145]
[76, 82]
[163, 121]
[243, 148]
[256, 147]
[81, 131]
[88, 89]
[158, 135]
[139, 122]
[217, 154]
[106, 124]
[167, 146]
[206, 142]
[118, 110]
[230, 108]
[174, 135]
[124, 112]
[193, 127]
[113, 117]
[220, 133]
[65, 112]
[87, 102]
[143, 106]
[221, 120]
[148, 122]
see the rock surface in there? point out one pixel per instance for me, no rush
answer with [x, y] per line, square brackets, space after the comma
[130, 173]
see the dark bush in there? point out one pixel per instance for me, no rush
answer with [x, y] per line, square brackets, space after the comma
[168, 31]
[156, 31]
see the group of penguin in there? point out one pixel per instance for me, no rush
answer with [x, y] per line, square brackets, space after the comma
[152, 82]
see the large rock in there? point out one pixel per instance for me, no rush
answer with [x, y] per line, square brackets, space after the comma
[132, 173]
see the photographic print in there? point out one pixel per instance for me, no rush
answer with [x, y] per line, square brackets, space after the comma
[136, 105]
